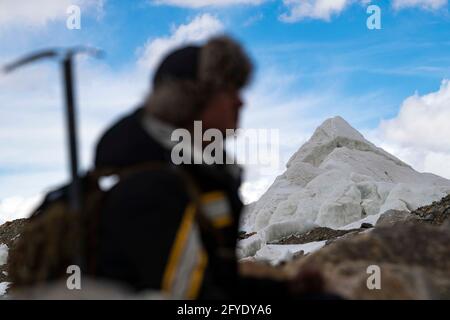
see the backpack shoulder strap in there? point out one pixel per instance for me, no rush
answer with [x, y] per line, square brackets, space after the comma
[191, 186]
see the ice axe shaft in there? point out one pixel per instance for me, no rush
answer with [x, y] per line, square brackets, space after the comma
[66, 58]
[75, 199]
[75, 188]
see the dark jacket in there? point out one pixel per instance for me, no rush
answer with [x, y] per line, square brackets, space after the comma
[147, 214]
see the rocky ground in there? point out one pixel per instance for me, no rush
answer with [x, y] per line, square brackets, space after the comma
[317, 234]
[436, 213]
[412, 251]
[9, 232]
[414, 260]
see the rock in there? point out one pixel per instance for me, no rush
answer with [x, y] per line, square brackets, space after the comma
[243, 235]
[446, 225]
[259, 269]
[436, 213]
[366, 225]
[316, 234]
[9, 233]
[344, 237]
[391, 217]
[299, 254]
[413, 257]
[404, 282]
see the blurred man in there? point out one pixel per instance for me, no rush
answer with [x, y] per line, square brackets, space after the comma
[171, 227]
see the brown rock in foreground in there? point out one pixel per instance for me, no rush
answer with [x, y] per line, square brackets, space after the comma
[412, 251]
[436, 213]
[414, 260]
[317, 234]
[392, 217]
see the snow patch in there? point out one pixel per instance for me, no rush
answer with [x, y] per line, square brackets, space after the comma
[286, 228]
[250, 246]
[3, 287]
[3, 254]
[276, 254]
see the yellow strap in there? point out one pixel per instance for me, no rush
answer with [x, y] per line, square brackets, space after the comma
[179, 246]
[177, 249]
[222, 222]
[212, 196]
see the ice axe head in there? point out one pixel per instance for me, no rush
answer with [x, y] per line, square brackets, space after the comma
[61, 54]
[94, 52]
[64, 57]
[48, 54]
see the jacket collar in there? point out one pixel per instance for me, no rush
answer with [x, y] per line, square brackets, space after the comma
[162, 131]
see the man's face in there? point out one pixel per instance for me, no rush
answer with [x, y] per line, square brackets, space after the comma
[222, 111]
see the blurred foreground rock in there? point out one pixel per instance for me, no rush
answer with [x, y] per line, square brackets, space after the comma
[90, 290]
[412, 251]
[414, 260]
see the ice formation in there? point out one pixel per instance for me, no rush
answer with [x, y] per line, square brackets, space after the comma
[335, 179]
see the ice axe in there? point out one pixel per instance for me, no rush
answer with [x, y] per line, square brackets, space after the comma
[65, 57]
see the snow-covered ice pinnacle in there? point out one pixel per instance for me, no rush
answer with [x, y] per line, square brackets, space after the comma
[335, 133]
[336, 178]
[337, 127]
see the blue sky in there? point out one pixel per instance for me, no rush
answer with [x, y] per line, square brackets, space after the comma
[315, 59]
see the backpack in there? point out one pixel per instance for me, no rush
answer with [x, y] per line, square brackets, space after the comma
[54, 238]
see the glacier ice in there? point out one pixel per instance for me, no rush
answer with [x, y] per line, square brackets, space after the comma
[335, 179]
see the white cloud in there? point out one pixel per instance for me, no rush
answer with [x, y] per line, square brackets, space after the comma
[437, 162]
[206, 3]
[314, 9]
[298, 10]
[419, 133]
[423, 121]
[424, 4]
[32, 13]
[199, 29]
[325, 9]
[32, 139]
